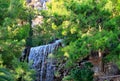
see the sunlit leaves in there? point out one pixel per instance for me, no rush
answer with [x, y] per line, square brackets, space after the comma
[64, 32]
[66, 24]
[14, 29]
[73, 30]
[22, 70]
[54, 27]
[58, 8]
[22, 32]
[85, 24]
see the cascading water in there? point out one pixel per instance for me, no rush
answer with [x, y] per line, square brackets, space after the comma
[41, 56]
[42, 61]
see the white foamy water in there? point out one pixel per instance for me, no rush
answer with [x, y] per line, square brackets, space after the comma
[41, 62]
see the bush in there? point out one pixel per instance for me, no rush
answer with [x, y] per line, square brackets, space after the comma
[83, 73]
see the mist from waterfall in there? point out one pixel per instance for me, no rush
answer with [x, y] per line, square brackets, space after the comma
[42, 61]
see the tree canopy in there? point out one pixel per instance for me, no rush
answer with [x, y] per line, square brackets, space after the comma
[85, 26]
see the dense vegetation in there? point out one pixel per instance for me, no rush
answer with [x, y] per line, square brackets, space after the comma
[12, 40]
[85, 26]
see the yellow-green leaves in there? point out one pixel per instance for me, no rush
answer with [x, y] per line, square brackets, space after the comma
[73, 30]
[66, 24]
[22, 70]
[54, 27]
[64, 32]
[59, 8]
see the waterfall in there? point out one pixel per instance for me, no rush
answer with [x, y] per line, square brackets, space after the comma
[42, 61]
[41, 57]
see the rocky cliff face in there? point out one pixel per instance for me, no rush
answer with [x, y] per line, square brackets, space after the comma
[37, 4]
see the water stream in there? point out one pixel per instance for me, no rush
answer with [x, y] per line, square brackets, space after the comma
[41, 57]
[42, 61]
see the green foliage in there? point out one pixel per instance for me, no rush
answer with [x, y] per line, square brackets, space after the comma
[4, 4]
[5, 75]
[14, 29]
[16, 8]
[85, 26]
[21, 71]
[23, 32]
[81, 74]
